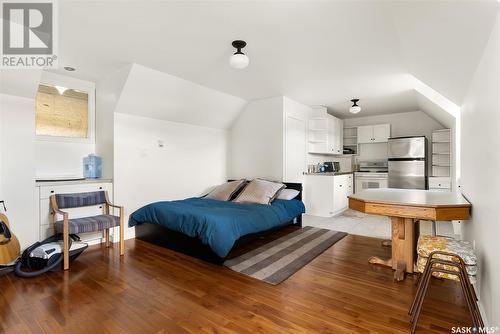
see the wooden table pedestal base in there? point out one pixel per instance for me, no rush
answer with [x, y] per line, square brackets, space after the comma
[403, 243]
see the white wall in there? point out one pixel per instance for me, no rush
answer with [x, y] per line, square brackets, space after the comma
[108, 92]
[256, 141]
[480, 122]
[402, 124]
[17, 160]
[58, 157]
[192, 161]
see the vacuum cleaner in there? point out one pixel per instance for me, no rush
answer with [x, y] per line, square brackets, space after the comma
[47, 255]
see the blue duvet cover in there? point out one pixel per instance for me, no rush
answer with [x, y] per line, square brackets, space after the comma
[217, 223]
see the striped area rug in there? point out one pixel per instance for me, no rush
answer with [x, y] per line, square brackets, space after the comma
[276, 261]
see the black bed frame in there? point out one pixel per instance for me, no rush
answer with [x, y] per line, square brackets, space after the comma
[162, 236]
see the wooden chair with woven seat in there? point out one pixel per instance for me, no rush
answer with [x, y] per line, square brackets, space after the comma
[443, 262]
[102, 222]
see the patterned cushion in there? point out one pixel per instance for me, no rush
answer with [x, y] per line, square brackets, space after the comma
[225, 191]
[89, 224]
[428, 244]
[76, 200]
[259, 191]
[472, 279]
[422, 261]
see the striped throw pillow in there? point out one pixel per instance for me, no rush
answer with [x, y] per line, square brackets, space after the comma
[225, 191]
[259, 191]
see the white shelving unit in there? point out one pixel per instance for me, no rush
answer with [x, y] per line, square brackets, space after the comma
[351, 138]
[441, 160]
[325, 135]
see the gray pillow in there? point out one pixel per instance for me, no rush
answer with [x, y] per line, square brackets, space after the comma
[259, 191]
[225, 191]
[287, 194]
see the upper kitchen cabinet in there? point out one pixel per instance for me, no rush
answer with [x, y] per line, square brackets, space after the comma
[336, 135]
[326, 135]
[369, 134]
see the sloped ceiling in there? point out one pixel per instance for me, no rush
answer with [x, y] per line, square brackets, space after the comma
[154, 94]
[315, 52]
[20, 82]
[442, 41]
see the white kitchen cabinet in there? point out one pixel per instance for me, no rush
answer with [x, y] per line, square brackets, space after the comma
[326, 195]
[368, 134]
[326, 135]
[440, 183]
[350, 185]
[47, 189]
[318, 195]
[340, 192]
[381, 133]
[336, 135]
[365, 134]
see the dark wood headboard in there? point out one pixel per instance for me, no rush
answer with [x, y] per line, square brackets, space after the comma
[289, 185]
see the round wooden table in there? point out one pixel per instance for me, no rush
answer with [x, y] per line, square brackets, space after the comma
[406, 207]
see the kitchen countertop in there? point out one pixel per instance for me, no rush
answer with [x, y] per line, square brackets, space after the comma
[69, 182]
[329, 173]
[412, 197]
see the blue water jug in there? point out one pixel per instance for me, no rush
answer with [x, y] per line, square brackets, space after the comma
[92, 167]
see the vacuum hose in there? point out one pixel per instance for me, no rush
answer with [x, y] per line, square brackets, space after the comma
[28, 274]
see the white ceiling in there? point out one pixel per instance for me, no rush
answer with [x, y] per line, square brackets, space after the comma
[316, 52]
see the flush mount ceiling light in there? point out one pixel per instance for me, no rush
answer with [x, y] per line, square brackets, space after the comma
[239, 60]
[61, 89]
[354, 109]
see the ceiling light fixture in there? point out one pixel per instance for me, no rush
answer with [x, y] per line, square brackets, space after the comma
[354, 108]
[61, 89]
[239, 60]
[69, 68]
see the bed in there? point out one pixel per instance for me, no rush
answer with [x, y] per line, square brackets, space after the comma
[208, 229]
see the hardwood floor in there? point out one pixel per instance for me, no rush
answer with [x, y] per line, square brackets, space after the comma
[155, 290]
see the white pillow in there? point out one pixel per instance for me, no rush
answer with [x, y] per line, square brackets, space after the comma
[288, 194]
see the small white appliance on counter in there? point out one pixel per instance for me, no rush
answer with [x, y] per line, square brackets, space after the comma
[372, 174]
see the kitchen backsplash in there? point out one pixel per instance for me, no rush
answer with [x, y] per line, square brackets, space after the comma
[346, 163]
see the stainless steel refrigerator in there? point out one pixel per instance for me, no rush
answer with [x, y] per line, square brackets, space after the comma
[407, 162]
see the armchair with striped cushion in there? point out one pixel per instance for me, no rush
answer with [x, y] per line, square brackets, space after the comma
[102, 222]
